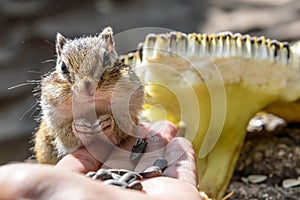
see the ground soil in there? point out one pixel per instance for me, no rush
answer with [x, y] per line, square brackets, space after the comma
[276, 155]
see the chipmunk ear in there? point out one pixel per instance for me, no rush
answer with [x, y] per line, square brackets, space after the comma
[60, 42]
[107, 35]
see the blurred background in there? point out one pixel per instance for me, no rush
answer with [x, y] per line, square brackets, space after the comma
[28, 29]
[27, 51]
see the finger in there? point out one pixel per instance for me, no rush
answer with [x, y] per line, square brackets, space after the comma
[23, 181]
[161, 133]
[32, 181]
[120, 156]
[182, 161]
[79, 161]
[88, 158]
[141, 130]
[170, 188]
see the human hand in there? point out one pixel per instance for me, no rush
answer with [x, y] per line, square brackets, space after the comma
[179, 182]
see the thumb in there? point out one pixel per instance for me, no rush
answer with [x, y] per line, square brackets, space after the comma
[182, 161]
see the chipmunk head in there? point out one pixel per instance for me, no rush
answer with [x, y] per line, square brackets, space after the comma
[84, 62]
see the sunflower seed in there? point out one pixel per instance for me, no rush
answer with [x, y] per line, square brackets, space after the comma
[90, 174]
[116, 183]
[136, 185]
[121, 172]
[115, 176]
[151, 172]
[161, 163]
[128, 177]
[102, 174]
[138, 149]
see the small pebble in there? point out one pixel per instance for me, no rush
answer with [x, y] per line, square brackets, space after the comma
[245, 180]
[288, 183]
[257, 178]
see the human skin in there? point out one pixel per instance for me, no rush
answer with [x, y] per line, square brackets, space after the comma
[66, 179]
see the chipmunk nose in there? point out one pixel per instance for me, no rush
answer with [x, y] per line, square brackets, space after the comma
[89, 89]
[87, 85]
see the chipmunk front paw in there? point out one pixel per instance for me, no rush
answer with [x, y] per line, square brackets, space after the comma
[104, 124]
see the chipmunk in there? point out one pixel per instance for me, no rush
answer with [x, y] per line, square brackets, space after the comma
[90, 91]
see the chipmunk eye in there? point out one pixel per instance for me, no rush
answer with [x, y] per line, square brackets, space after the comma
[64, 68]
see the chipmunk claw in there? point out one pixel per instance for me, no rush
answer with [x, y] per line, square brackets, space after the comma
[104, 123]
